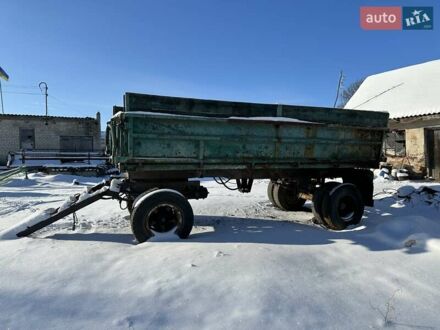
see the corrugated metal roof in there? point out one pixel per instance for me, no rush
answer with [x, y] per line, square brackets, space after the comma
[6, 115]
[406, 92]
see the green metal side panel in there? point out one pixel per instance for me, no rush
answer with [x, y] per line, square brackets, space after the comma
[162, 142]
[225, 109]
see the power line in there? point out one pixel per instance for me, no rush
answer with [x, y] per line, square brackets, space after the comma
[20, 89]
[27, 93]
[377, 95]
[57, 99]
[22, 86]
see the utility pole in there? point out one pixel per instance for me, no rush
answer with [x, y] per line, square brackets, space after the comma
[45, 93]
[340, 82]
[3, 75]
[1, 96]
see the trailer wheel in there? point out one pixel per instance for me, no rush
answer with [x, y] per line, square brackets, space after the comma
[343, 207]
[270, 188]
[132, 202]
[286, 197]
[161, 211]
[363, 180]
[318, 198]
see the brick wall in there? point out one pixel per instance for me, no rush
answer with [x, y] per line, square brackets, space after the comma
[46, 136]
[415, 151]
[415, 159]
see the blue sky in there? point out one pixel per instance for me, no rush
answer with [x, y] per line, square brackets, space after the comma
[91, 52]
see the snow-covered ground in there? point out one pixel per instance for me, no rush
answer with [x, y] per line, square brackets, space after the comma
[246, 265]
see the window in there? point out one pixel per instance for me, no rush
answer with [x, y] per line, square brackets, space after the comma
[76, 143]
[27, 138]
[394, 144]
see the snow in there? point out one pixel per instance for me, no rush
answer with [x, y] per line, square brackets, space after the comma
[245, 265]
[11, 232]
[405, 92]
[275, 119]
[115, 185]
[40, 216]
[68, 203]
[159, 114]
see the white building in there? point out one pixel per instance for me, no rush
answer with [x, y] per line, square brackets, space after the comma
[412, 97]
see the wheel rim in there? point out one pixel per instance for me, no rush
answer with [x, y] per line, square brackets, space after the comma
[346, 209]
[164, 218]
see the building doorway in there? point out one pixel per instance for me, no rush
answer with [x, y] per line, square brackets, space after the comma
[433, 152]
[27, 139]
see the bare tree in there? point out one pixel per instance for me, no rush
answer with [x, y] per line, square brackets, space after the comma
[348, 92]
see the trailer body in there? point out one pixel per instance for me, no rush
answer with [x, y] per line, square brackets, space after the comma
[156, 137]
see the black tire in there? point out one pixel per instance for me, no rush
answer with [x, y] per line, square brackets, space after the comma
[270, 187]
[343, 207]
[317, 201]
[363, 180]
[286, 197]
[161, 211]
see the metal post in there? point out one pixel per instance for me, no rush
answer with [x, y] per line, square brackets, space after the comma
[45, 93]
[340, 82]
[1, 96]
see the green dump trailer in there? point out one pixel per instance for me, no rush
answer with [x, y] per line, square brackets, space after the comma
[161, 145]
[161, 142]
